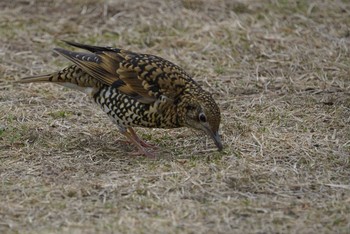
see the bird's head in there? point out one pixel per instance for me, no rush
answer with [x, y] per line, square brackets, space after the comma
[203, 113]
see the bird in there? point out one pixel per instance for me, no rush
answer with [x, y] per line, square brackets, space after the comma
[137, 90]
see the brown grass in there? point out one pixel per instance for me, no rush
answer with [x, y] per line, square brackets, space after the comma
[279, 71]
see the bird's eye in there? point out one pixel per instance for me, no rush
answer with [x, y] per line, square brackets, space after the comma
[202, 117]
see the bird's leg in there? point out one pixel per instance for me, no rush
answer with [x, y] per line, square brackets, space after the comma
[139, 140]
[135, 141]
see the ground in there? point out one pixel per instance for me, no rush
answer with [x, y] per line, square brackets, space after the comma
[279, 71]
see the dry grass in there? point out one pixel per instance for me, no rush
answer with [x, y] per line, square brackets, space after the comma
[280, 72]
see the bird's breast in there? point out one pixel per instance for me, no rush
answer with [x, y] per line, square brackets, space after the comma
[129, 112]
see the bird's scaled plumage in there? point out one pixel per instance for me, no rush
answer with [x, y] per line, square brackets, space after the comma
[138, 90]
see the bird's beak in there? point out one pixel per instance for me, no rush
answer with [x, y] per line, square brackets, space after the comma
[217, 140]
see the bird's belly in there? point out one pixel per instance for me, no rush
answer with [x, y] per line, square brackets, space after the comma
[124, 110]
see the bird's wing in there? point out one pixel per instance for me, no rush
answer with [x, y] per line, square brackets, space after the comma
[144, 77]
[158, 76]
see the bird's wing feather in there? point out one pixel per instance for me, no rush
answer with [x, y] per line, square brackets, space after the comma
[144, 77]
[158, 76]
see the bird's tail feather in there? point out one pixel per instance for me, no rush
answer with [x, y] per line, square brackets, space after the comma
[71, 74]
[38, 78]
[71, 77]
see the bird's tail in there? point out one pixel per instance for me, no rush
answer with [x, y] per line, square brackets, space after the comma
[39, 78]
[71, 77]
[71, 74]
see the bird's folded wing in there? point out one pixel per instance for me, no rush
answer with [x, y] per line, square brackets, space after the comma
[144, 77]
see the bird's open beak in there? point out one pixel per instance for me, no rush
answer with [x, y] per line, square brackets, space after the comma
[216, 137]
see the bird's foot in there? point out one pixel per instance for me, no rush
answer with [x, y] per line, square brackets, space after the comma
[134, 137]
[123, 142]
[141, 142]
[148, 145]
[144, 152]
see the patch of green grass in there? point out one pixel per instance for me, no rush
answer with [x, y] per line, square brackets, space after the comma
[339, 221]
[239, 7]
[11, 29]
[2, 130]
[61, 114]
[220, 69]
[290, 6]
[14, 134]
